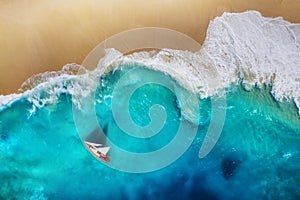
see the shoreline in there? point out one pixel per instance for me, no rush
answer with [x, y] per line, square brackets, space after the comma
[40, 36]
[244, 56]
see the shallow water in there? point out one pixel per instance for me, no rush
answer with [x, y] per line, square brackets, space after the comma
[257, 155]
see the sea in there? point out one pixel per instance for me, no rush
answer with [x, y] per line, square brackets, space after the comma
[180, 135]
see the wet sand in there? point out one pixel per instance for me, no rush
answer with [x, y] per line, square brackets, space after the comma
[38, 36]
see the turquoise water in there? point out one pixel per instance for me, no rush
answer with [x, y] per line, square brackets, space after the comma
[256, 157]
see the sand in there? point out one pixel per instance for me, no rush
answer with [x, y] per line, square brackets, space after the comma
[38, 35]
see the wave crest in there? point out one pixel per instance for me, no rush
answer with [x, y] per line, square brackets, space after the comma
[37, 79]
[239, 47]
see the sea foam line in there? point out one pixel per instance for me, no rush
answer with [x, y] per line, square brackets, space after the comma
[244, 47]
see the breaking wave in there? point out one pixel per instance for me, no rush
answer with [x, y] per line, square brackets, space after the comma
[242, 48]
[39, 140]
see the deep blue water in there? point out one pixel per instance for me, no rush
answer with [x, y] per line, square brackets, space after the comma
[256, 157]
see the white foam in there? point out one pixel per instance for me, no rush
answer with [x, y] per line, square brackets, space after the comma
[258, 50]
[6, 99]
[239, 46]
[37, 79]
[48, 92]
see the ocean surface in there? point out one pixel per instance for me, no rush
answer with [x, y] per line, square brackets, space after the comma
[257, 156]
